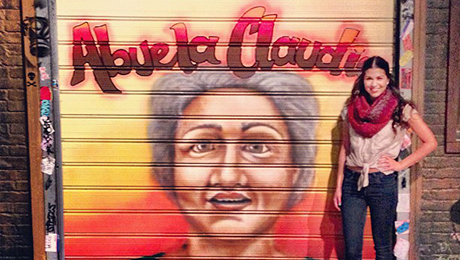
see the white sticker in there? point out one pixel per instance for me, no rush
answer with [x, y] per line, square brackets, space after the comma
[407, 29]
[47, 125]
[401, 248]
[48, 164]
[51, 242]
[403, 203]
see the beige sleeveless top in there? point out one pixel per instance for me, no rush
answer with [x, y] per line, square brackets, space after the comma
[365, 152]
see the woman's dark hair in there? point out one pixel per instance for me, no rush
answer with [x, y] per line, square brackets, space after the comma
[359, 90]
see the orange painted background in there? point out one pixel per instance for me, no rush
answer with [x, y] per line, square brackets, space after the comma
[113, 206]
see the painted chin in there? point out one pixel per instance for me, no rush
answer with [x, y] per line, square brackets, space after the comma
[232, 201]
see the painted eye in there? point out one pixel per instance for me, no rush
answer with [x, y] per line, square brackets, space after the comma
[202, 147]
[256, 148]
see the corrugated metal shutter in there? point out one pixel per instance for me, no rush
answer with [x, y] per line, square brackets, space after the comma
[113, 206]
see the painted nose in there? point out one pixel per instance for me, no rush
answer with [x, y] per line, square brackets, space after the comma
[230, 173]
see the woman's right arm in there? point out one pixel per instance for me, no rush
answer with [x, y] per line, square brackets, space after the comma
[341, 166]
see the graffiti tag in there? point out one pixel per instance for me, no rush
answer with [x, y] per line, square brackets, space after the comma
[51, 218]
[190, 54]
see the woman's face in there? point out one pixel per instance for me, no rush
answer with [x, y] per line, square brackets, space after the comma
[375, 82]
[229, 164]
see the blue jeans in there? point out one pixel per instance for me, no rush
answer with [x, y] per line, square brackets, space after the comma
[382, 198]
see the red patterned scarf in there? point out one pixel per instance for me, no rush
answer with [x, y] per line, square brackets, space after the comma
[366, 119]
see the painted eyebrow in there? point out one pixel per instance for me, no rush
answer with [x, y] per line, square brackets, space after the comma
[246, 126]
[215, 126]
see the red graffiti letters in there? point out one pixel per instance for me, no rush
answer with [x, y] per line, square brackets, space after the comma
[344, 57]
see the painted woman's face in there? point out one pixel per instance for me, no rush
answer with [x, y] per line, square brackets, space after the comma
[235, 160]
[375, 82]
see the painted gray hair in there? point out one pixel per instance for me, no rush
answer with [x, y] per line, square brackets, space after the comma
[290, 93]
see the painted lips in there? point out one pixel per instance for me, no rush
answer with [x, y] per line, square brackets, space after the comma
[230, 201]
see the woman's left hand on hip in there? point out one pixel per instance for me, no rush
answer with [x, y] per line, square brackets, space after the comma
[386, 163]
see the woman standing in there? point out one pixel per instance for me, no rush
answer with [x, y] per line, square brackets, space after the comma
[376, 119]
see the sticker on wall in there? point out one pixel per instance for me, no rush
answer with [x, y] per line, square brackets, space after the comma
[407, 29]
[47, 142]
[45, 108]
[47, 125]
[48, 164]
[43, 74]
[403, 203]
[45, 93]
[401, 248]
[406, 78]
[402, 226]
[407, 10]
[407, 56]
[407, 43]
[51, 242]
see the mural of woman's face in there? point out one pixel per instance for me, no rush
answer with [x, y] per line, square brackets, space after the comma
[230, 156]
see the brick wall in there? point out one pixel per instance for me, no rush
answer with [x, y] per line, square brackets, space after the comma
[15, 217]
[441, 172]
